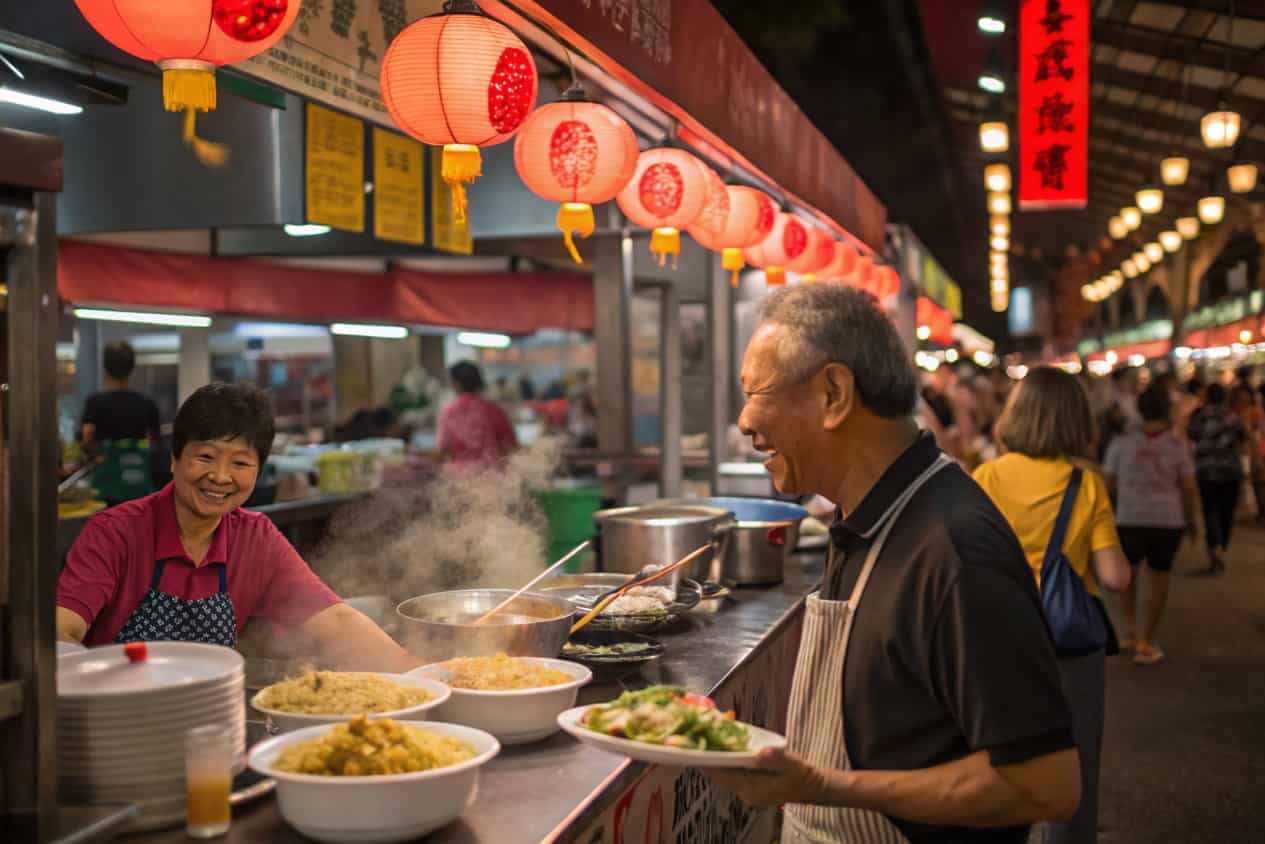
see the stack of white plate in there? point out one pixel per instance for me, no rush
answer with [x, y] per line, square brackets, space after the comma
[121, 725]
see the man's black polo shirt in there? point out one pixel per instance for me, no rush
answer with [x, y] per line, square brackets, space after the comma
[950, 653]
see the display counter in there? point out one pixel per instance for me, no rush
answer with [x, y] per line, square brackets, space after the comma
[561, 790]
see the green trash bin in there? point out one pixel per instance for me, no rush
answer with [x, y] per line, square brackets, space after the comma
[569, 509]
[123, 473]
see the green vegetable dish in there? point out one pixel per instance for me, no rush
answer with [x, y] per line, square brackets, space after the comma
[668, 716]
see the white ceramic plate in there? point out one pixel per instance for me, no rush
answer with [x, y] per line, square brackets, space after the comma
[105, 672]
[439, 694]
[657, 754]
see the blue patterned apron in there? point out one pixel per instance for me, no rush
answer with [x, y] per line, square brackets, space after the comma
[160, 617]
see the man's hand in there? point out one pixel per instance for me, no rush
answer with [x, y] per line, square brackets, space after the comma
[782, 778]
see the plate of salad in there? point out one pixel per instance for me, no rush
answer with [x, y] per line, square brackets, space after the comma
[665, 725]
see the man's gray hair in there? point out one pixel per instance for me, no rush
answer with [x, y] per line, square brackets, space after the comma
[833, 323]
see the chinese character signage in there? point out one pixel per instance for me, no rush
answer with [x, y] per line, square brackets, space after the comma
[398, 178]
[334, 169]
[1053, 104]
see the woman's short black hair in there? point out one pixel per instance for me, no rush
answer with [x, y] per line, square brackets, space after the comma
[222, 411]
[467, 377]
[1154, 405]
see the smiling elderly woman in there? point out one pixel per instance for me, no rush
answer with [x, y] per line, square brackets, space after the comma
[187, 564]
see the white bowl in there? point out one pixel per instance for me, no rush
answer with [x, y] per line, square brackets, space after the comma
[384, 808]
[287, 721]
[514, 717]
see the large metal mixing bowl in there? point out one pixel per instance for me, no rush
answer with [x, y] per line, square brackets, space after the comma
[441, 626]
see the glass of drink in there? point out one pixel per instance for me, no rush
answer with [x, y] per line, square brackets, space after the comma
[208, 766]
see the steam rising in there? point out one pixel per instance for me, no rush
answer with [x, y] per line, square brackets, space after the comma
[467, 528]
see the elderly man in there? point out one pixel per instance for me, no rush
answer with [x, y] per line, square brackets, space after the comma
[926, 705]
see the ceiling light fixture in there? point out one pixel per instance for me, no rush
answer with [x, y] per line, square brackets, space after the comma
[999, 202]
[997, 177]
[1220, 129]
[305, 229]
[1150, 200]
[483, 340]
[1171, 241]
[1140, 261]
[48, 104]
[145, 317]
[1117, 229]
[1188, 227]
[1132, 217]
[1129, 269]
[381, 332]
[990, 25]
[1242, 177]
[1154, 252]
[1174, 170]
[991, 83]
[1211, 210]
[999, 225]
[1000, 244]
[994, 137]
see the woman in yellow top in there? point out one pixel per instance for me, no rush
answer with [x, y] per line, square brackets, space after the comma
[1046, 430]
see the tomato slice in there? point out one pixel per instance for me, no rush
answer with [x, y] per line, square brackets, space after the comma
[699, 700]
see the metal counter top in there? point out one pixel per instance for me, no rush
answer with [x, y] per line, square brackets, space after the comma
[542, 791]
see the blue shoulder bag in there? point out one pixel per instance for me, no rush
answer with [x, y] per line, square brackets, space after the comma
[1075, 621]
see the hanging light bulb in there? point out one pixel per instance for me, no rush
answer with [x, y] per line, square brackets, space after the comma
[1174, 170]
[1242, 177]
[999, 225]
[1116, 228]
[1150, 200]
[1088, 293]
[1140, 261]
[1220, 129]
[1211, 209]
[1154, 252]
[1171, 241]
[998, 202]
[997, 177]
[1117, 278]
[1132, 217]
[994, 137]
[1129, 269]
[1188, 227]
[1001, 244]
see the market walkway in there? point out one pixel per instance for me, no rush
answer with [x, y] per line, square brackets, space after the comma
[1184, 750]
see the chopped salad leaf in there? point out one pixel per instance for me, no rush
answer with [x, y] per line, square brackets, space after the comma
[668, 716]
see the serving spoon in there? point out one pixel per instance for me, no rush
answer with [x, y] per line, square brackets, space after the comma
[544, 574]
[639, 580]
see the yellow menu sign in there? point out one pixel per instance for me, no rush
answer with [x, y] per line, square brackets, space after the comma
[398, 176]
[335, 169]
[445, 232]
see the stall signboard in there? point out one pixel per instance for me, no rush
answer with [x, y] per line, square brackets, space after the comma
[399, 181]
[1225, 312]
[334, 51]
[1053, 104]
[918, 265]
[1155, 330]
[447, 234]
[334, 169]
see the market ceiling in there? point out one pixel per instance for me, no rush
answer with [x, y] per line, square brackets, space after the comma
[1141, 112]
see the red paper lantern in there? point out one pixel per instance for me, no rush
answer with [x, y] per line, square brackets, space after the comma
[188, 39]
[842, 264]
[863, 272]
[665, 194]
[819, 253]
[886, 282]
[461, 80]
[750, 219]
[787, 241]
[576, 152]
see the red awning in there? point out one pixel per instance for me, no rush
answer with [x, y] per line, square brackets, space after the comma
[515, 303]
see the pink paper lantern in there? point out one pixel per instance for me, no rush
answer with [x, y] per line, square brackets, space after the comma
[665, 194]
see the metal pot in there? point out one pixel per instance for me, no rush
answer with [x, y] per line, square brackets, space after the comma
[660, 534]
[760, 542]
[440, 626]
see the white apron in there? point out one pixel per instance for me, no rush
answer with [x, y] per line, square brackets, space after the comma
[815, 725]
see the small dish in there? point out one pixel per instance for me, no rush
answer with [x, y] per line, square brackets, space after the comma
[600, 651]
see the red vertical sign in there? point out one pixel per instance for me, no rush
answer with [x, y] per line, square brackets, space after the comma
[1053, 104]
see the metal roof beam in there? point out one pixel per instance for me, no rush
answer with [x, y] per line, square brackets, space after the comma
[1173, 46]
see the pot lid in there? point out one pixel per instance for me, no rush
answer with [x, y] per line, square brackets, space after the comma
[664, 515]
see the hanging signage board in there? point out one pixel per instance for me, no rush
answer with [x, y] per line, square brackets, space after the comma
[334, 169]
[399, 179]
[1053, 104]
[334, 51]
[953, 298]
[446, 234]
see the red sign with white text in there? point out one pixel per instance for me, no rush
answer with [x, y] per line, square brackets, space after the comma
[1053, 104]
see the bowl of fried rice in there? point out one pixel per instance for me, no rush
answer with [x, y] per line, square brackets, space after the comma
[373, 780]
[517, 699]
[329, 697]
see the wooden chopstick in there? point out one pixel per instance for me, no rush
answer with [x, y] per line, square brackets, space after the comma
[576, 550]
[605, 602]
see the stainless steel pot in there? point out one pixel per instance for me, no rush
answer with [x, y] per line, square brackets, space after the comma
[761, 540]
[440, 626]
[658, 534]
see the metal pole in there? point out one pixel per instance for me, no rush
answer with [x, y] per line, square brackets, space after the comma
[720, 302]
[670, 466]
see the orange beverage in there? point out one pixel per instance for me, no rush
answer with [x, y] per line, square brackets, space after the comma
[209, 753]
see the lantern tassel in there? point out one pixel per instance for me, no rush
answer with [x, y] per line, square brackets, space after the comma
[774, 276]
[577, 218]
[731, 259]
[462, 164]
[209, 153]
[664, 242]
